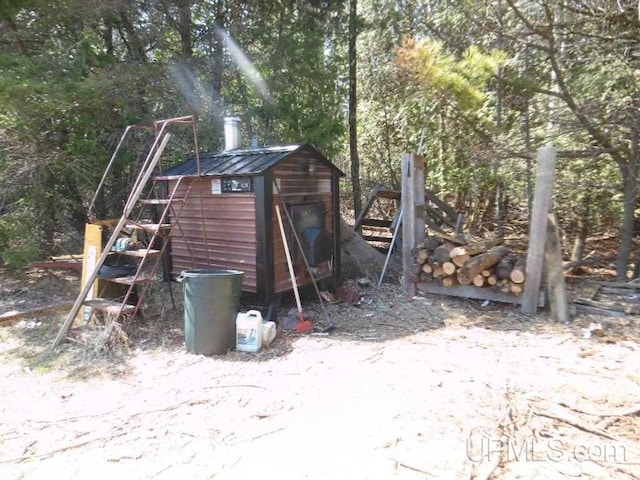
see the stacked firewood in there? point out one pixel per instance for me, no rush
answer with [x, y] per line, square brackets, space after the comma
[485, 263]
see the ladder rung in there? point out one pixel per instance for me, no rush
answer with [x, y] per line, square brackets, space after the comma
[109, 306]
[376, 238]
[390, 194]
[138, 253]
[160, 201]
[149, 227]
[130, 280]
[374, 222]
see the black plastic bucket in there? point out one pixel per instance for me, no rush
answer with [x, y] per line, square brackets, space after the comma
[211, 300]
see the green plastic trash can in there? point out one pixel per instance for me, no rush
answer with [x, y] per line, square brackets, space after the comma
[211, 300]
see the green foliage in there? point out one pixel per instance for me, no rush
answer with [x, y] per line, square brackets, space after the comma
[17, 246]
[477, 77]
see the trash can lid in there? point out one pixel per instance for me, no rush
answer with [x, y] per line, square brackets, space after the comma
[209, 273]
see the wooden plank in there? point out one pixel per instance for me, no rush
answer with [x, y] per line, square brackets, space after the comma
[413, 214]
[130, 280]
[367, 206]
[7, 317]
[629, 295]
[77, 257]
[408, 223]
[554, 273]
[149, 227]
[599, 311]
[477, 247]
[419, 230]
[58, 265]
[450, 238]
[160, 201]
[538, 231]
[439, 217]
[92, 251]
[109, 306]
[377, 238]
[469, 291]
[627, 308]
[374, 222]
[140, 253]
[445, 207]
[630, 286]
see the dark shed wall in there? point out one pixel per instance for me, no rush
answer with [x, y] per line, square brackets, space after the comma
[216, 231]
[299, 187]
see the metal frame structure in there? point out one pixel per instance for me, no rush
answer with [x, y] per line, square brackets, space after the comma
[157, 230]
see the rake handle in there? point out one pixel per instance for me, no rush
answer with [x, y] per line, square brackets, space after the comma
[289, 263]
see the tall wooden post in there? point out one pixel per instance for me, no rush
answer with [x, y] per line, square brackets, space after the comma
[412, 214]
[538, 230]
[556, 287]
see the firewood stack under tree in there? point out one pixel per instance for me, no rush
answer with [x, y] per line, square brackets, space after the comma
[485, 263]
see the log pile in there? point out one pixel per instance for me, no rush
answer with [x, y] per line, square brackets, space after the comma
[486, 264]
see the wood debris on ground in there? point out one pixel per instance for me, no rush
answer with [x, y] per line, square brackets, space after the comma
[616, 299]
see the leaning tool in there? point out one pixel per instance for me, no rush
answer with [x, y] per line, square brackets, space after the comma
[330, 324]
[304, 325]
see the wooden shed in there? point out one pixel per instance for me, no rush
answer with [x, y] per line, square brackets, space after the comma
[229, 220]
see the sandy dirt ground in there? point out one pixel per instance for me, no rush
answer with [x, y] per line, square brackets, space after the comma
[431, 388]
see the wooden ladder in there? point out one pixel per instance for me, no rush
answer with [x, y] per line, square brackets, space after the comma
[148, 258]
[437, 214]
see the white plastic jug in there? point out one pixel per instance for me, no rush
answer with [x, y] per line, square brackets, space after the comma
[249, 331]
[268, 333]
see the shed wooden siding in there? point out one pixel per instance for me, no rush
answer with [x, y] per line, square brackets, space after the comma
[299, 187]
[216, 231]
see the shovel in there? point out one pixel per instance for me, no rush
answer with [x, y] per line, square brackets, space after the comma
[304, 325]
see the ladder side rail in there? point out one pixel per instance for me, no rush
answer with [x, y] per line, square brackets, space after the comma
[190, 119]
[179, 225]
[165, 243]
[369, 203]
[108, 169]
[153, 239]
[146, 170]
[196, 145]
[107, 249]
[150, 244]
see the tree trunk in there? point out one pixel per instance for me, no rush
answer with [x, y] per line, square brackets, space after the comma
[107, 36]
[630, 185]
[580, 241]
[500, 195]
[131, 38]
[20, 45]
[353, 119]
[361, 259]
[218, 60]
[184, 28]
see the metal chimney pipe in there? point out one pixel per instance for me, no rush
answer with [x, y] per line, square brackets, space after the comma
[231, 133]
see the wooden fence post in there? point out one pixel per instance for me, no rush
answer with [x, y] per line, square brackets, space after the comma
[413, 191]
[542, 198]
[554, 273]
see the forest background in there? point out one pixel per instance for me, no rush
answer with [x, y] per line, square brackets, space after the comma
[488, 81]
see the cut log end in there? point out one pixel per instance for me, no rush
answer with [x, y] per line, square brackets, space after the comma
[449, 281]
[449, 268]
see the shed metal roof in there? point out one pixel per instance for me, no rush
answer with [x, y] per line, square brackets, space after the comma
[242, 161]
